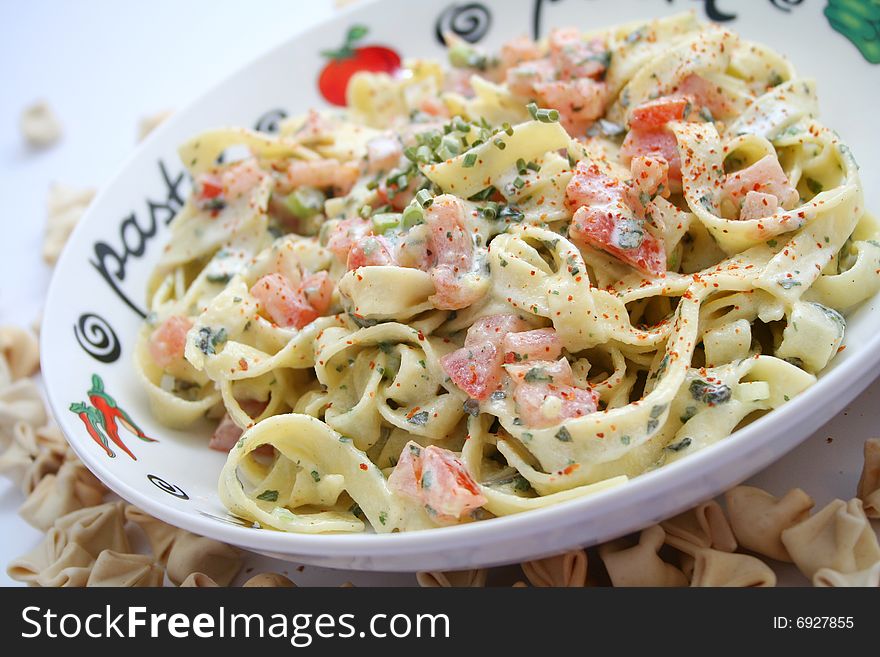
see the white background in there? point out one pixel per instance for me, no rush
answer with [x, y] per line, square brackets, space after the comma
[102, 65]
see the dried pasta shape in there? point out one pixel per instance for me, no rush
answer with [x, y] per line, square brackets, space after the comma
[56, 495]
[125, 570]
[727, 569]
[453, 578]
[563, 570]
[869, 482]
[65, 206]
[191, 553]
[21, 351]
[26, 460]
[838, 536]
[869, 577]
[160, 535]
[20, 401]
[54, 562]
[758, 518]
[271, 580]
[198, 581]
[150, 122]
[704, 525]
[97, 528]
[641, 565]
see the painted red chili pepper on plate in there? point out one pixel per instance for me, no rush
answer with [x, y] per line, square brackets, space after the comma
[93, 421]
[110, 413]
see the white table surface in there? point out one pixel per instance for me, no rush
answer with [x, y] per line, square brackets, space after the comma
[102, 65]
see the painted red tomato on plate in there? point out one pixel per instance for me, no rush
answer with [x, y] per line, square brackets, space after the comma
[349, 59]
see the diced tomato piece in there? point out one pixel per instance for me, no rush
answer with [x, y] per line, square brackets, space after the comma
[450, 242]
[228, 432]
[758, 205]
[655, 143]
[705, 94]
[383, 153]
[452, 255]
[446, 485]
[438, 479]
[604, 220]
[407, 474]
[575, 58]
[318, 290]
[241, 177]
[452, 291]
[321, 173]
[210, 186]
[657, 113]
[476, 370]
[392, 195]
[522, 78]
[168, 342]
[225, 435]
[625, 238]
[589, 186]
[542, 405]
[371, 250]
[650, 179]
[580, 102]
[493, 328]
[518, 50]
[766, 176]
[556, 372]
[345, 234]
[536, 345]
[284, 305]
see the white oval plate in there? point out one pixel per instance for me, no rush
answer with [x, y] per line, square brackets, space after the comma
[95, 302]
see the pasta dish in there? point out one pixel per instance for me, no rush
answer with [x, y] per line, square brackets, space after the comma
[517, 280]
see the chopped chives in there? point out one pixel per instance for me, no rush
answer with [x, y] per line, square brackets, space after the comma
[518, 182]
[521, 166]
[500, 144]
[424, 198]
[469, 160]
[412, 215]
[542, 115]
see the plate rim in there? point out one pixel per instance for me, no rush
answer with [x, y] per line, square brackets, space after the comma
[738, 456]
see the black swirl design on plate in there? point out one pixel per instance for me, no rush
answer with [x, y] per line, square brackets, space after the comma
[97, 338]
[471, 22]
[537, 14]
[785, 5]
[270, 121]
[165, 487]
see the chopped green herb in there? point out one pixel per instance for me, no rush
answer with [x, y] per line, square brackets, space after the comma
[563, 435]
[814, 186]
[471, 407]
[420, 418]
[709, 393]
[680, 445]
[469, 160]
[542, 115]
[788, 283]
[316, 476]
[268, 496]
[537, 375]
